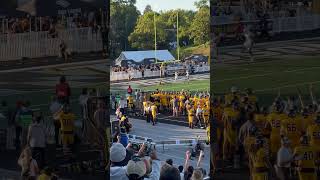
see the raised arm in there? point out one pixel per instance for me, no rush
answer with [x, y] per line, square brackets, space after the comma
[187, 161]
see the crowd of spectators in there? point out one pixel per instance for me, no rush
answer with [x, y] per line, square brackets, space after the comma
[253, 10]
[11, 25]
[125, 164]
[30, 131]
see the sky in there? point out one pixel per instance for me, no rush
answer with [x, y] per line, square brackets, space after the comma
[165, 5]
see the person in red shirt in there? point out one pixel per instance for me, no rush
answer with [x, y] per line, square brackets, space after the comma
[129, 90]
[63, 91]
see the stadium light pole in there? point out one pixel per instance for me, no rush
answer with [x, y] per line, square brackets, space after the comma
[155, 36]
[178, 46]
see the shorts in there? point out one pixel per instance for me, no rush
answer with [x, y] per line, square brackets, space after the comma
[260, 176]
[67, 139]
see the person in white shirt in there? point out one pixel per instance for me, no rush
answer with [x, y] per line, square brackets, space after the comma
[187, 74]
[199, 115]
[83, 98]
[122, 105]
[284, 159]
[176, 76]
[37, 140]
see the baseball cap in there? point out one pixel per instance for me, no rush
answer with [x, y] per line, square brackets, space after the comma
[117, 152]
[135, 167]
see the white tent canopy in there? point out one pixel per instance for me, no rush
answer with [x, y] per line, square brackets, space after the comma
[140, 56]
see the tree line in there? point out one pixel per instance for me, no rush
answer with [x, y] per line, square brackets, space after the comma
[131, 29]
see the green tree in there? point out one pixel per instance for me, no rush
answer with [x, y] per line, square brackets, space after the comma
[123, 18]
[143, 35]
[200, 27]
[201, 4]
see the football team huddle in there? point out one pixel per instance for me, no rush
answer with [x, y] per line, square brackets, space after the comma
[195, 107]
[282, 140]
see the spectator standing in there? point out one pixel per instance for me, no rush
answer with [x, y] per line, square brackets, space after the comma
[83, 98]
[63, 50]
[63, 91]
[100, 119]
[55, 109]
[37, 141]
[129, 90]
[122, 105]
[23, 118]
[284, 159]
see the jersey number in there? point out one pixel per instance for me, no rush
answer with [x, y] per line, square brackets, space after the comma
[66, 122]
[291, 127]
[308, 155]
[275, 123]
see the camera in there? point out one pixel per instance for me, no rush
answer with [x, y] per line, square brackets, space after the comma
[136, 145]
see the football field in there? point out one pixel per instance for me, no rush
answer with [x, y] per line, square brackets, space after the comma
[269, 75]
[38, 85]
[197, 82]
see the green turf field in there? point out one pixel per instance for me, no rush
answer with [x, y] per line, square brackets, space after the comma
[199, 85]
[40, 100]
[266, 78]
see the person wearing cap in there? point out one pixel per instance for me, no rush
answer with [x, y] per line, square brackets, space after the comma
[137, 168]
[284, 159]
[117, 155]
[305, 155]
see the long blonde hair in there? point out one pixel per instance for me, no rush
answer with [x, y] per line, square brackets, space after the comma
[25, 158]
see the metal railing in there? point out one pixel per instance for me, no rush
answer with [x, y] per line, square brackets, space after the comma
[42, 44]
[136, 74]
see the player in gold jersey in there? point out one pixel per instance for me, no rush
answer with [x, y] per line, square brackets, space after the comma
[230, 119]
[249, 145]
[260, 161]
[306, 157]
[191, 114]
[154, 113]
[274, 125]
[66, 119]
[313, 132]
[291, 127]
